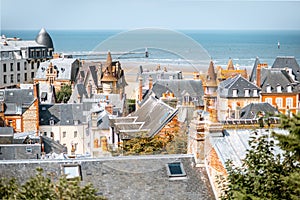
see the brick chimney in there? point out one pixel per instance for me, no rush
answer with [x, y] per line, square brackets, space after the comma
[150, 82]
[140, 89]
[258, 75]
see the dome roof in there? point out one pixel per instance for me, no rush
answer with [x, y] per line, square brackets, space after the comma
[44, 38]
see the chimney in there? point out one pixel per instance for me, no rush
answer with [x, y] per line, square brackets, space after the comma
[150, 82]
[35, 90]
[89, 90]
[140, 97]
[79, 98]
[109, 108]
[258, 74]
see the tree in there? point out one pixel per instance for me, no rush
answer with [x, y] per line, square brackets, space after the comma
[64, 94]
[42, 187]
[265, 174]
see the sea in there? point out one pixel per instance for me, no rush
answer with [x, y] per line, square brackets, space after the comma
[242, 46]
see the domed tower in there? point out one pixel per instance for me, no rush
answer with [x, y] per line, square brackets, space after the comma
[43, 38]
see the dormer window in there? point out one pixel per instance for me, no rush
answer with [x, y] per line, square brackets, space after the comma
[289, 88]
[278, 88]
[247, 93]
[268, 88]
[51, 121]
[234, 92]
[255, 94]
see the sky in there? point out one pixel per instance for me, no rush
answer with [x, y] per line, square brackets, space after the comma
[132, 14]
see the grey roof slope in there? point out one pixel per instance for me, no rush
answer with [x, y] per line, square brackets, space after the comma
[289, 62]
[235, 143]
[180, 88]
[239, 83]
[158, 75]
[67, 68]
[250, 111]
[17, 101]
[252, 77]
[276, 77]
[150, 118]
[127, 177]
[43, 38]
[61, 114]
[80, 94]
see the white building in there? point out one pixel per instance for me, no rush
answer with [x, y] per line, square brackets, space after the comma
[20, 59]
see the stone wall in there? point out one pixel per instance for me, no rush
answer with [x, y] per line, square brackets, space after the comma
[30, 118]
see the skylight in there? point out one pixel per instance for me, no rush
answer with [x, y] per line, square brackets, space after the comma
[175, 169]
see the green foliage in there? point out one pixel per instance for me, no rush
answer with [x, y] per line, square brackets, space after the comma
[42, 187]
[264, 174]
[169, 143]
[64, 94]
[291, 142]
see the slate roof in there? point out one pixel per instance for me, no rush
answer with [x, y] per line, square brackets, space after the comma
[158, 75]
[46, 93]
[17, 101]
[180, 88]
[211, 76]
[239, 83]
[67, 68]
[127, 177]
[61, 114]
[277, 77]
[250, 111]
[234, 144]
[96, 99]
[289, 62]
[150, 118]
[254, 70]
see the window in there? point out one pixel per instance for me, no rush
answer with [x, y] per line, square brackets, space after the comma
[175, 169]
[75, 134]
[11, 78]
[247, 94]
[268, 88]
[64, 134]
[25, 76]
[72, 171]
[32, 74]
[289, 88]
[45, 133]
[32, 65]
[279, 102]
[289, 102]
[234, 92]
[25, 65]
[28, 150]
[4, 79]
[4, 67]
[278, 88]
[18, 78]
[11, 67]
[268, 100]
[18, 66]
[255, 93]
